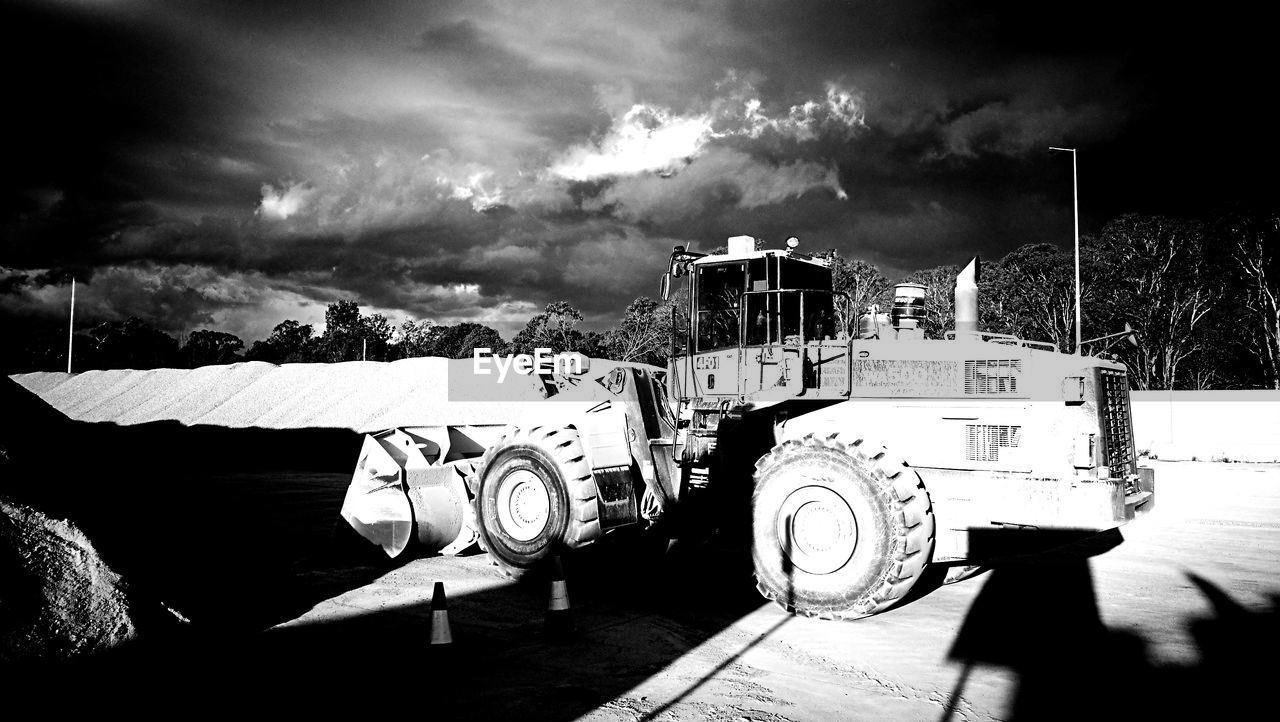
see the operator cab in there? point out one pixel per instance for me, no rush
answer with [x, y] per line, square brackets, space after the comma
[751, 314]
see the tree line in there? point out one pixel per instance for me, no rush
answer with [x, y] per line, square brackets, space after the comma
[349, 335]
[1202, 297]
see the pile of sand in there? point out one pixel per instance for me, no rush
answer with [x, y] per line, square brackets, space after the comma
[58, 599]
[357, 395]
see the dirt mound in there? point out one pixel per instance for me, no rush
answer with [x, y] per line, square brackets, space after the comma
[363, 396]
[58, 599]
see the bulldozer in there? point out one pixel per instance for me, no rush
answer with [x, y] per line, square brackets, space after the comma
[851, 458]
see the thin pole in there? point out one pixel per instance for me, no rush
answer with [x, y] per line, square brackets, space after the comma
[71, 323]
[364, 350]
[1075, 212]
[1075, 208]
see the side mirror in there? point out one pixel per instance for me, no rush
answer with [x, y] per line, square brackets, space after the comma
[665, 286]
[1131, 334]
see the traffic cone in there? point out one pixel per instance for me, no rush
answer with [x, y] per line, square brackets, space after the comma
[559, 618]
[440, 632]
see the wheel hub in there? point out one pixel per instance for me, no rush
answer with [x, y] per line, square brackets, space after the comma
[817, 530]
[524, 505]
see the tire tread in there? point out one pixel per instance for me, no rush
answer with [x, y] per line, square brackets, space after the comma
[563, 446]
[910, 502]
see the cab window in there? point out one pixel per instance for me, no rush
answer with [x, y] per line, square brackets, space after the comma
[720, 289]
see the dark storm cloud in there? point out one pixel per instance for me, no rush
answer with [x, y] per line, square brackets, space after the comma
[240, 163]
[1146, 92]
[109, 106]
[460, 50]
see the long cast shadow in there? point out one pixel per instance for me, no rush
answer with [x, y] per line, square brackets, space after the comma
[237, 530]
[1039, 618]
[501, 664]
[192, 517]
[789, 570]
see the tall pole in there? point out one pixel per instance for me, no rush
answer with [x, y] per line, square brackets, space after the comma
[1075, 212]
[71, 324]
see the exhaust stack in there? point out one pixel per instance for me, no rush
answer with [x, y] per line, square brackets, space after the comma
[967, 298]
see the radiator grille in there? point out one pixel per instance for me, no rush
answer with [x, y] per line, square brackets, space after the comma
[1117, 426]
[992, 376]
[983, 442]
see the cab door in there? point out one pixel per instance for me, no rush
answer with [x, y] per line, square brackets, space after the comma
[718, 290]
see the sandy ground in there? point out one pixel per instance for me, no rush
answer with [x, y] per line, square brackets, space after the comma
[252, 596]
[1157, 621]
[289, 611]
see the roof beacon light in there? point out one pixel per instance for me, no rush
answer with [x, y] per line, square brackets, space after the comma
[792, 242]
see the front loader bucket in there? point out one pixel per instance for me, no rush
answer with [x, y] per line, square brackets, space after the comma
[376, 505]
[401, 489]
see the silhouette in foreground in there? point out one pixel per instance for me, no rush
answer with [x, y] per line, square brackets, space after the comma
[1039, 618]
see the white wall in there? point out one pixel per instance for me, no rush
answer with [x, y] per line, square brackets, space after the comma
[1208, 425]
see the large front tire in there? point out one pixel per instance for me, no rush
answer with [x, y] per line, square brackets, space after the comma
[535, 495]
[840, 530]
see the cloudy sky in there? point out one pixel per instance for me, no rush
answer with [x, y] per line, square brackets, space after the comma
[232, 164]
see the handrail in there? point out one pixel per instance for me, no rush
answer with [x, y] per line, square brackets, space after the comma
[1003, 338]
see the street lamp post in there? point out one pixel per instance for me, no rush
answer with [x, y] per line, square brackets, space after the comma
[1075, 211]
[71, 324]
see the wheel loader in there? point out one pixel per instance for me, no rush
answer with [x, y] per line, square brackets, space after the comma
[851, 458]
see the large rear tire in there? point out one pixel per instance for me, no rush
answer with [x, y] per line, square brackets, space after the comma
[840, 530]
[536, 495]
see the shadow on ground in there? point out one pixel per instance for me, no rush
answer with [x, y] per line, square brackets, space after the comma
[502, 664]
[192, 516]
[1038, 617]
[238, 530]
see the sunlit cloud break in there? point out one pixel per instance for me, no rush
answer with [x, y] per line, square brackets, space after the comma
[648, 138]
[644, 139]
[279, 205]
[841, 112]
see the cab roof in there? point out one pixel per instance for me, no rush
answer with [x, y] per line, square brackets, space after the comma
[731, 257]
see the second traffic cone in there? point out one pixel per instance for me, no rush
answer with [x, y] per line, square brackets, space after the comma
[559, 618]
[440, 632]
